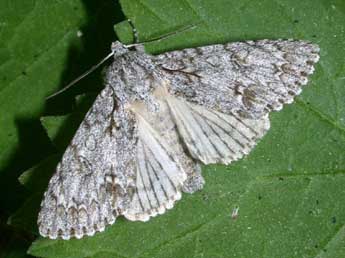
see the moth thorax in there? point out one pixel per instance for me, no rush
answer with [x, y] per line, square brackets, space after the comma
[118, 48]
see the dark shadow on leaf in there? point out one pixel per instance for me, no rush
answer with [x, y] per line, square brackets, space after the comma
[34, 146]
[97, 36]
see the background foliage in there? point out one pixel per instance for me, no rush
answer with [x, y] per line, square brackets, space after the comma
[289, 190]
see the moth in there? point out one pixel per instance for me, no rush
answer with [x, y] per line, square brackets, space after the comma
[158, 119]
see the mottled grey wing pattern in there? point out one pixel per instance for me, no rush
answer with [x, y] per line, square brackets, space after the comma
[250, 78]
[92, 181]
[122, 161]
[223, 93]
[135, 156]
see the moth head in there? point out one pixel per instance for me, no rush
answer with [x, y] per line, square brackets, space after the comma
[118, 49]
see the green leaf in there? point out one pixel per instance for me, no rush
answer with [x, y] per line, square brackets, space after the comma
[290, 189]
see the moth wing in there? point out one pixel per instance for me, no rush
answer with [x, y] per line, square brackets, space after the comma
[251, 78]
[89, 186]
[159, 178]
[215, 137]
[163, 169]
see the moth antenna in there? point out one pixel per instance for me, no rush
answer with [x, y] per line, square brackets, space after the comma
[136, 40]
[168, 35]
[93, 68]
